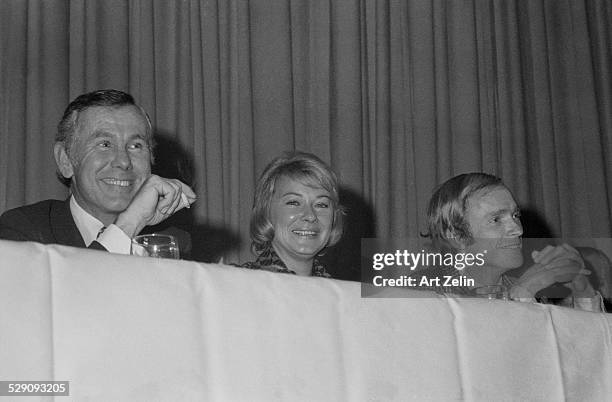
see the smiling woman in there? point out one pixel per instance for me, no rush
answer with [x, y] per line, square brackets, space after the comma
[296, 214]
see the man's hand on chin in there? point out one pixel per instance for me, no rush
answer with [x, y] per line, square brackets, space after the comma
[156, 200]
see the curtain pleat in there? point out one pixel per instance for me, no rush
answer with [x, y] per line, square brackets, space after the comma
[396, 95]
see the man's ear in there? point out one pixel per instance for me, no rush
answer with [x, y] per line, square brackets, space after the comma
[62, 160]
[455, 240]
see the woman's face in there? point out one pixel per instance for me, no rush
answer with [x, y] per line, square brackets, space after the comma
[302, 216]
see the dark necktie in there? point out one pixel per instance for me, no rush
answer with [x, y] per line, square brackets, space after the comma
[100, 232]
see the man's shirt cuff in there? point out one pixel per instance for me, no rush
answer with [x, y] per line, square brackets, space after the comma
[594, 303]
[115, 240]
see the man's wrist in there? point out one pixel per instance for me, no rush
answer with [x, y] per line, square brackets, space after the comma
[518, 292]
[588, 293]
[128, 226]
[581, 287]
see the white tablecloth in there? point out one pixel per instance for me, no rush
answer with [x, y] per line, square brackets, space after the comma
[123, 328]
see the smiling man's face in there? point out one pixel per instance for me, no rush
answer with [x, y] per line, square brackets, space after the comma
[109, 160]
[494, 221]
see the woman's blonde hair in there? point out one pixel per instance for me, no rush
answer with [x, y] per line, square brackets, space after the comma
[305, 168]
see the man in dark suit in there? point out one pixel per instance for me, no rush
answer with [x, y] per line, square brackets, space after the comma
[103, 150]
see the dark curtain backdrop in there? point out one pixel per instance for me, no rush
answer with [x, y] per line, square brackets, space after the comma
[396, 95]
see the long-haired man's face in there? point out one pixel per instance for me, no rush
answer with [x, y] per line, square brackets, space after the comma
[494, 221]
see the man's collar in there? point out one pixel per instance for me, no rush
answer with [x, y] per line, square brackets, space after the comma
[88, 225]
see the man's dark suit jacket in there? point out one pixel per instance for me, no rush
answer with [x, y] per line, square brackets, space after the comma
[47, 222]
[50, 222]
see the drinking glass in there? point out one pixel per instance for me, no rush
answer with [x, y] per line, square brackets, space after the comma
[155, 245]
[492, 292]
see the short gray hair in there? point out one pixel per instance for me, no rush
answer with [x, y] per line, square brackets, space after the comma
[104, 97]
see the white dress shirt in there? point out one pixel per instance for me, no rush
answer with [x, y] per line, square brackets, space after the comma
[113, 238]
